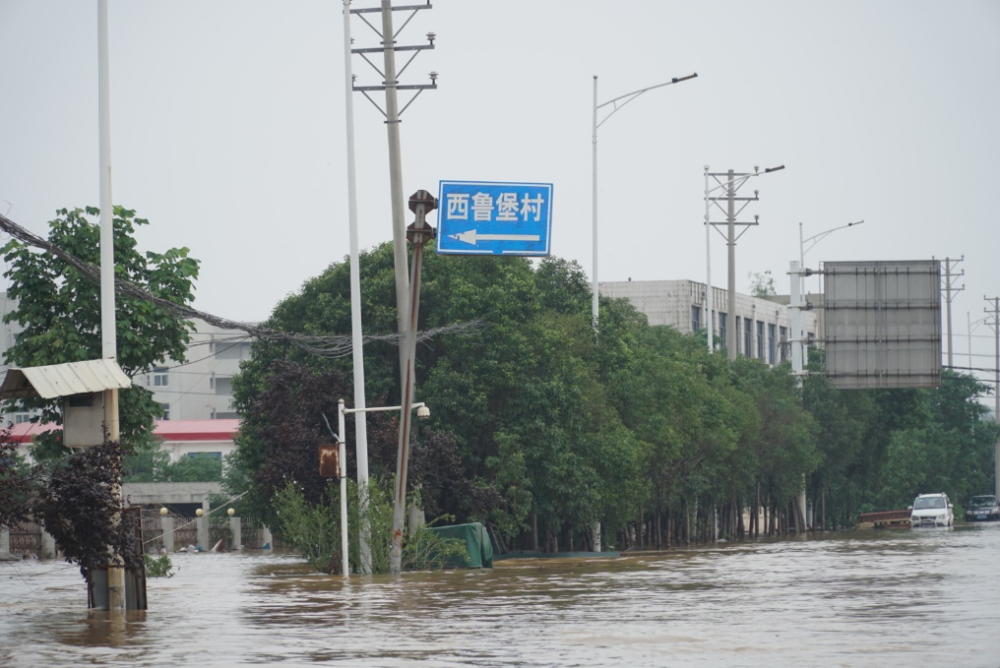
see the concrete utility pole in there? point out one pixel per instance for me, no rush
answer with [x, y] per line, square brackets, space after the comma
[949, 289]
[732, 184]
[995, 312]
[796, 303]
[392, 114]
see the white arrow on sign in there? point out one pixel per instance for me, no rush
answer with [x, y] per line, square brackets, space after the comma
[471, 237]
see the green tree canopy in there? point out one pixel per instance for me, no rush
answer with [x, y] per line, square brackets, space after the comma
[59, 308]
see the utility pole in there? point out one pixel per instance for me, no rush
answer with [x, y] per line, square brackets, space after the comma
[731, 182]
[392, 114]
[949, 289]
[995, 312]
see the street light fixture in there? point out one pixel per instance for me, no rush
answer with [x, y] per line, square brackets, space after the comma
[734, 183]
[816, 238]
[364, 531]
[799, 360]
[617, 103]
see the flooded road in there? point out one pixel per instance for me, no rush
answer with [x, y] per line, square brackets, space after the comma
[893, 598]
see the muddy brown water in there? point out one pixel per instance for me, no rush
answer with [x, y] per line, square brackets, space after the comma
[894, 598]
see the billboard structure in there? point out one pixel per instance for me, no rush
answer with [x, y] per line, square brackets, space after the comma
[883, 324]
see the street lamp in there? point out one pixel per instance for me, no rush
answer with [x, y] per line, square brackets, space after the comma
[816, 238]
[623, 100]
[364, 531]
[733, 183]
[799, 360]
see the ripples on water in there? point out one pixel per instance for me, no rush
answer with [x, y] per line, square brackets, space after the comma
[899, 598]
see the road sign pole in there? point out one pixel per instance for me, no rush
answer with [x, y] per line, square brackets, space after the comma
[421, 203]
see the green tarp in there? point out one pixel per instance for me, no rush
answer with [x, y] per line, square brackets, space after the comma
[477, 542]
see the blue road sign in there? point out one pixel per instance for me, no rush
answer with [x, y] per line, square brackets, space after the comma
[483, 218]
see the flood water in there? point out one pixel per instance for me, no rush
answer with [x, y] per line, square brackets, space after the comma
[928, 597]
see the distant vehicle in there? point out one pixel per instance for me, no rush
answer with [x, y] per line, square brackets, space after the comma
[984, 508]
[931, 510]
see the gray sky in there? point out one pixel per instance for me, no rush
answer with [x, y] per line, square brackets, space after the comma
[228, 130]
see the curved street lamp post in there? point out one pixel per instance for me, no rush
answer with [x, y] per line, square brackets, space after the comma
[616, 103]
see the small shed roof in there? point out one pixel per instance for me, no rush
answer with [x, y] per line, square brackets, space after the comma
[63, 380]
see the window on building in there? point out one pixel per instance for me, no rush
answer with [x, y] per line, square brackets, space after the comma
[166, 411]
[722, 328]
[783, 337]
[760, 340]
[747, 337]
[225, 415]
[161, 376]
[231, 350]
[696, 318]
[20, 418]
[771, 344]
[223, 386]
[206, 455]
[811, 340]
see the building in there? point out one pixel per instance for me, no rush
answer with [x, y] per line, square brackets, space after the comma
[179, 438]
[200, 388]
[197, 389]
[762, 326]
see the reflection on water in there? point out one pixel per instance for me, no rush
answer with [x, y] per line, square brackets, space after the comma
[914, 598]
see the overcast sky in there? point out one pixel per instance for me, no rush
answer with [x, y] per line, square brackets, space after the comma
[228, 130]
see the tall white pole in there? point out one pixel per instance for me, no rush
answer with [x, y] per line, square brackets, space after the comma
[795, 301]
[708, 270]
[357, 347]
[342, 452]
[109, 337]
[109, 343]
[593, 141]
[968, 336]
[996, 394]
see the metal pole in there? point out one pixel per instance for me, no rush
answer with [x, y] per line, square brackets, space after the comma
[968, 336]
[796, 314]
[109, 343]
[802, 253]
[708, 271]
[357, 348]
[422, 202]
[342, 452]
[731, 342]
[996, 394]
[109, 336]
[617, 103]
[593, 140]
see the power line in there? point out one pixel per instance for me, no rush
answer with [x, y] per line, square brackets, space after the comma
[329, 346]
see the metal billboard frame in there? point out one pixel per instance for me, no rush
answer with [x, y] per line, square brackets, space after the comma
[882, 324]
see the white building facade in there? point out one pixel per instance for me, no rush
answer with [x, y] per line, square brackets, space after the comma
[763, 327]
[198, 389]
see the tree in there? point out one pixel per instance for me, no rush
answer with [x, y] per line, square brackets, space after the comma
[59, 309]
[762, 285]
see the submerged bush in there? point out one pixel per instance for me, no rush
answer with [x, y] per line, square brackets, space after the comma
[314, 530]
